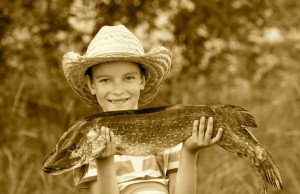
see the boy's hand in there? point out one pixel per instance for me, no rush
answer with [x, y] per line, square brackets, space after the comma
[202, 136]
[110, 148]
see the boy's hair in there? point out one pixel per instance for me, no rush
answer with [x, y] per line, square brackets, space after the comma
[90, 73]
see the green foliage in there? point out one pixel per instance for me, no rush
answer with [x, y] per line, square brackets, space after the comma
[236, 52]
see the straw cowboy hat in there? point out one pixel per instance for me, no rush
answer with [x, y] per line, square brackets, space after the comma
[116, 43]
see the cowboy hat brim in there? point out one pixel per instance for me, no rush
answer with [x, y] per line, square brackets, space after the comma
[156, 63]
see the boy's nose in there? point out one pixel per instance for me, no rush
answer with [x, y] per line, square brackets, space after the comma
[118, 89]
[118, 92]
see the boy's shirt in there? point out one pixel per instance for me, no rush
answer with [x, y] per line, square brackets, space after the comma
[135, 169]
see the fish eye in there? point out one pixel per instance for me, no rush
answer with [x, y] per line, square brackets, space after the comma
[68, 150]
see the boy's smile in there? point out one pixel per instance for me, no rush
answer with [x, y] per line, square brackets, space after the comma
[117, 85]
[118, 101]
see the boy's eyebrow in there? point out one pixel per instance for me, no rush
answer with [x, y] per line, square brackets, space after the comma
[132, 73]
[128, 73]
[100, 76]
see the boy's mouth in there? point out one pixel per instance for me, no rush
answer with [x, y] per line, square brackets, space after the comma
[118, 101]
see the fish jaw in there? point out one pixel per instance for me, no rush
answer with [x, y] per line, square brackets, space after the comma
[75, 153]
[55, 164]
[53, 170]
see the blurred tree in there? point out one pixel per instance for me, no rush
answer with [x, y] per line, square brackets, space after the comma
[234, 51]
[217, 45]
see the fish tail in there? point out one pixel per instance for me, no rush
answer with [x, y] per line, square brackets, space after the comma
[266, 173]
[260, 184]
[242, 115]
[272, 173]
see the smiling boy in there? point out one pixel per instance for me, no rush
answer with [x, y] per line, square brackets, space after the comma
[116, 74]
[117, 84]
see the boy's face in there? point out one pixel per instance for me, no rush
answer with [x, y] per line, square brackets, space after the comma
[117, 85]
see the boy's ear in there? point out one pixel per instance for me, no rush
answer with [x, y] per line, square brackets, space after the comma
[143, 82]
[90, 84]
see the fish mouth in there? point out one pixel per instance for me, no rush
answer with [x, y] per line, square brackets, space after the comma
[48, 169]
[119, 101]
[52, 170]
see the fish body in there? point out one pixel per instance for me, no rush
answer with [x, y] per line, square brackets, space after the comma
[150, 131]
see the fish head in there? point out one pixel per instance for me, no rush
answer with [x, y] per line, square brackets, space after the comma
[59, 162]
[81, 144]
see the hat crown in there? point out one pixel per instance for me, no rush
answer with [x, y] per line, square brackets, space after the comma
[114, 39]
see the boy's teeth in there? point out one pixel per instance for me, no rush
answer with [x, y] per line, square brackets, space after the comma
[118, 101]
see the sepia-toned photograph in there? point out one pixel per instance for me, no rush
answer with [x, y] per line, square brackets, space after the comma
[149, 96]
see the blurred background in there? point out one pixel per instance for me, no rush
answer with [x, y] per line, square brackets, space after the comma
[241, 52]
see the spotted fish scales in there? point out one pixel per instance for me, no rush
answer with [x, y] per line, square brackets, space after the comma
[150, 131]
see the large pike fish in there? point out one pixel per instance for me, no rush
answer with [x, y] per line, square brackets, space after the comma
[150, 131]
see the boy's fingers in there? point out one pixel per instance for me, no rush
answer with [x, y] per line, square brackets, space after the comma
[209, 130]
[218, 136]
[112, 137]
[201, 129]
[107, 136]
[195, 127]
[103, 132]
[113, 141]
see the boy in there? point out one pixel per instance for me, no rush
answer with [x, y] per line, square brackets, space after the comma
[116, 74]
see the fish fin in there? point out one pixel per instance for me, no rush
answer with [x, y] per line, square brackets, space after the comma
[159, 157]
[78, 173]
[242, 115]
[266, 172]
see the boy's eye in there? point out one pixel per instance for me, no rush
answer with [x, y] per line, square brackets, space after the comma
[104, 80]
[129, 78]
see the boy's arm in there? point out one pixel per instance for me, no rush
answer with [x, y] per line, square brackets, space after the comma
[185, 180]
[106, 177]
[186, 177]
[106, 172]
